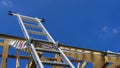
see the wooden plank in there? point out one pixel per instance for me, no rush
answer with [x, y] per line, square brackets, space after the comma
[14, 56]
[5, 54]
[105, 65]
[99, 61]
[1, 43]
[95, 56]
[60, 45]
[84, 64]
[29, 63]
[58, 59]
[78, 65]
[32, 64]
[28, 57]
[18, 59]
[10, 37]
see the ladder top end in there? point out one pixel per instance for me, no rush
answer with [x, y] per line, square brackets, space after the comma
[10, 13]
[42, 20]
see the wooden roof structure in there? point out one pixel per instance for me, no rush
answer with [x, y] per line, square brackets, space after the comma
[81, 56]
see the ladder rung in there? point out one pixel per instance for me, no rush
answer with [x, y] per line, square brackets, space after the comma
[38, 33]
[46, 50]
[32, 26]
[55, 63]
[29, 19]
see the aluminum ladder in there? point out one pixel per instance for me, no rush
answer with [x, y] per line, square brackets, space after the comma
[21, 18]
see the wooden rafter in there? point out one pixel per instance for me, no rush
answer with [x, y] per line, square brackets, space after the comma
[1, 43]
[5, 54]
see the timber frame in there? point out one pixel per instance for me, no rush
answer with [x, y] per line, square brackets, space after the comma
[98, 59]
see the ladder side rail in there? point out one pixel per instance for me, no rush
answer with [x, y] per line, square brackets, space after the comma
[35, 56]
[45, 31]
[65, 57]
[32, 48]
[26, 35]
[52, 40]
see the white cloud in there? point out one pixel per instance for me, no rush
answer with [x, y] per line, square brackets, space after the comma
[105, 29]
[115, 31]
[6, 3]
[107, 32]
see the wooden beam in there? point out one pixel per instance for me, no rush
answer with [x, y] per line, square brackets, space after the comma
[14, 56]
[28, 57]
[18, 59]
[58, 59]
[96, 57]
[99, 61]
[78, 65]
[1, 43]
[60, 45]
[31, 64]
[105, 65]
[5, 54]
[84, 64]
[4, 36]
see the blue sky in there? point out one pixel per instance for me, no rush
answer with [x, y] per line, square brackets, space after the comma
[92, 24]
